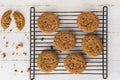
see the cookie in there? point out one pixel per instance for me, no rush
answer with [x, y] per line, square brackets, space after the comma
[47, 61]
[75, 63]
[92, 45]
[64, 40]
[48, 22]
[88, 21]
[19, 20]
[6, 19]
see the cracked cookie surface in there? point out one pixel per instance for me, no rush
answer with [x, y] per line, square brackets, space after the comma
[6, 19]
[75, 63]
[48, 22]
[47, 61]
[88, 21]
[92, 45]
[64, 40]
[19, 20]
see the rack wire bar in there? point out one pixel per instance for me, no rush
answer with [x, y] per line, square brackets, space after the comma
[40, 41]
[105, 36]
[32, 43]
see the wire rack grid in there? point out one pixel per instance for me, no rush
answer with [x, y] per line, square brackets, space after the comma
[40, 41]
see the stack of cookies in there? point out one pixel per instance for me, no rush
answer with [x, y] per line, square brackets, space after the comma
[65, 40]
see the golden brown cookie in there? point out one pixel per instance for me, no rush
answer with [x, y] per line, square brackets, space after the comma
[75, 63]
[6, 19]
[92, 45]
[47, 61]
[88, 21]
[64, 40]
[19, 20]
[48, 22]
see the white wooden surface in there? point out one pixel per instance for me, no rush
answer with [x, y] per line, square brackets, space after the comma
[21, 62]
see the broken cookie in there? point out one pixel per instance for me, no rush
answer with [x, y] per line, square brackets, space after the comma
[19, 20]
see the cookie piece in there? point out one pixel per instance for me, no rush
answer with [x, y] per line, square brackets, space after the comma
[6, 19]
[47, 61]
[48, 22]
[75, 63]
[88, 21]
[19, 20]
[64, 40]
[92, 45]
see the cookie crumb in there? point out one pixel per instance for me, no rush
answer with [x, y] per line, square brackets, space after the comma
[4, 55]
[28, 69]
[13, 64]
[42, 39]
[51, 47]
[3, 37]
[25, 34]
[16, 53]
[21, 71]
[6, 46]
[24, 53]
[13, 53]
[19, 45]
[6, 42]
[15, 70]
[10, 30]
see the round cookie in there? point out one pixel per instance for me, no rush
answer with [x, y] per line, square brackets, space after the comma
[19, 20]
[75, 63]
[6, 19]
[92, 45]
[88, 21]
[64, 40]
[47, 61]
[48, 22]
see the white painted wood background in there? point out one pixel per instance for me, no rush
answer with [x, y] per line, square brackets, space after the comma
[22, 62]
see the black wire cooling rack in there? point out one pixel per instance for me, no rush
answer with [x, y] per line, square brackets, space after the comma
[40, 41]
